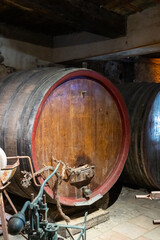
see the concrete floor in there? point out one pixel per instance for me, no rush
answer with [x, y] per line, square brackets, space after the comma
[130, 218]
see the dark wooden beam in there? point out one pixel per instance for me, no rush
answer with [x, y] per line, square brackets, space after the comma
[128, 4]
[24, 35]
[79, 15]
[96, 19]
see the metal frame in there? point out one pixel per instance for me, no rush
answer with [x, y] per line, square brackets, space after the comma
[38, 227]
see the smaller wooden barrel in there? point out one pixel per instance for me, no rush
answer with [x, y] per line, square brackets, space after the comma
[142, 167]
[73, 115]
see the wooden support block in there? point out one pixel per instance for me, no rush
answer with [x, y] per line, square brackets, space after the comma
[93, 219]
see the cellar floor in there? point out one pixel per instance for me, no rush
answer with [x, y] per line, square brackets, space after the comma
[130, 218]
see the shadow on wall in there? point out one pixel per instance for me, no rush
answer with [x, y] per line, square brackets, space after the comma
[119, 71]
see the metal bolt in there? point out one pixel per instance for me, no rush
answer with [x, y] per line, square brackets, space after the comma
[83, 94]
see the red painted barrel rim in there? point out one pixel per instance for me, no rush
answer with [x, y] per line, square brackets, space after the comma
[116, 171]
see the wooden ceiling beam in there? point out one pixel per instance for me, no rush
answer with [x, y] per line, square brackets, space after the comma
[81, 15]
[97, 20]
[130, 5]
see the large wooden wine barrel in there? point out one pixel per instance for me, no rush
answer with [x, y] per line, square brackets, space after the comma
[73, 115]
[142, 167]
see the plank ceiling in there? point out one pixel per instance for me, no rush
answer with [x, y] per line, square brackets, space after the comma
[56, 17]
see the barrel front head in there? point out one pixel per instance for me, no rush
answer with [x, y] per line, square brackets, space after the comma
[83, 123]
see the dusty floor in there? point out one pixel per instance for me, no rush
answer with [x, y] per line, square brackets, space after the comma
[130, 218]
